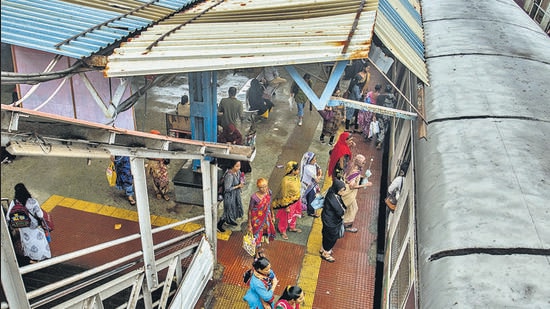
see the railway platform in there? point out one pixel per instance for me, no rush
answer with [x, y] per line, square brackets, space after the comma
[347, 283]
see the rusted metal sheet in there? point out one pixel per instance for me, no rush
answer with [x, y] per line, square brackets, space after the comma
[230, 35]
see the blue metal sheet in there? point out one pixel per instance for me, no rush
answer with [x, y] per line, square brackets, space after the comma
[399, 23]
[44, 24]
[412, 11]
[175, 5]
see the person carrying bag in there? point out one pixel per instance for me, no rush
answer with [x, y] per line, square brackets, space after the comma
[394, 191]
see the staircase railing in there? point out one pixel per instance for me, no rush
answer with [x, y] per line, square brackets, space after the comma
[114, 276]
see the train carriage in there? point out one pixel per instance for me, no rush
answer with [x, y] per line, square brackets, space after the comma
[472, 230]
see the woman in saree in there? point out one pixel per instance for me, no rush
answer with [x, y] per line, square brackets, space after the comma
[260, 216]
[232, 202]
[289, 205]
[340, 156]
[352, 180]
[158, 169]
[124, 177]
[310, 176]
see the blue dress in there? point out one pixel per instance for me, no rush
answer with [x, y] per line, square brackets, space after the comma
[260, 290]
[124, 177]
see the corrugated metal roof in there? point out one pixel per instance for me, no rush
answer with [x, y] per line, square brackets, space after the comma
[399, 27]
[78, 28]
[231, 35]
[228, 35]
[215, 35]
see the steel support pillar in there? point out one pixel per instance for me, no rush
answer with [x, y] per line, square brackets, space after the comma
[204, 108]
[12, 281]
[137, 166]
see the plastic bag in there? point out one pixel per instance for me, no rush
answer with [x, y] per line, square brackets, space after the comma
[318, 201]
[111, 174]
[290, 102]
[374, 128]
[249, 245]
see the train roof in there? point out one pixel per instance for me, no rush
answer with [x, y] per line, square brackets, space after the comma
[483, 172]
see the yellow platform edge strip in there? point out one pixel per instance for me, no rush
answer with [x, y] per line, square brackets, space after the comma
[110, 211]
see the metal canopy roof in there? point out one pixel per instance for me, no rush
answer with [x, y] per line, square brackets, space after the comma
[399, 27]
[79, 28]
[229, 35]
[235, 34]
[215, 35]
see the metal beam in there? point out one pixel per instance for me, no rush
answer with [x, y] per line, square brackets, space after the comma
[137, 166]
[333, 80]
[107, 109]
[64, 136]
[335, 101]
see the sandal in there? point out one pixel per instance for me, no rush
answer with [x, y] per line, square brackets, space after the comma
[328, 258]
[284, 236]
[296, 230]
[131, 200]
[166, 197]
[159, 196]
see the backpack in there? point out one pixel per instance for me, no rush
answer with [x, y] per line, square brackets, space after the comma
[294, 88]
[19, 216]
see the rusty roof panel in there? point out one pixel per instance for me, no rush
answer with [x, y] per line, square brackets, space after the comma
[230, 35]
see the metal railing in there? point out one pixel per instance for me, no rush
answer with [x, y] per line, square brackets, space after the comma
[121, 273]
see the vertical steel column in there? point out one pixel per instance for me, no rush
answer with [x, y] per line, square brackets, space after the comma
[204, 107]
[207, 170]
[142, 202]
[215, 177]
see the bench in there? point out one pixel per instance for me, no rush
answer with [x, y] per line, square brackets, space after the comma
[178, 126]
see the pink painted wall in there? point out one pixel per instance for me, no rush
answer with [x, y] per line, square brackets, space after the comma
[73, 99]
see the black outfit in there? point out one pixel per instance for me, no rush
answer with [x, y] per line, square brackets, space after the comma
[256, 100]
[333, 210]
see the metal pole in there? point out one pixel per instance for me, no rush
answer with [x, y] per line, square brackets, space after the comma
[399, 91]
[12, 281]
[142, 202]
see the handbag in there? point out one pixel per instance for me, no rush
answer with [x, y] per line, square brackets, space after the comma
[391, 199]
[374, 128]
[111, 174]
[390, 202]
[249, 244]
[47, 222]
[318, 201]
[341, 231]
